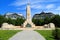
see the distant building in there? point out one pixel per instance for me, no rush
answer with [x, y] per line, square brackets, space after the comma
[43, 15]
[13, 15]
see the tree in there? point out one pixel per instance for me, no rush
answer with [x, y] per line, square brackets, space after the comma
[19, 21]
[56, 34]
[41, 22]
[47, 20]
[2, 20]
[11, 21]
[56, 20]
[38, 22]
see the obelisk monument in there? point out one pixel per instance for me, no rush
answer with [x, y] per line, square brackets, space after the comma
[28, 12]
[28, 17]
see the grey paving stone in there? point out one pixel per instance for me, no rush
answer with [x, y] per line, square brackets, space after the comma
[27, 35]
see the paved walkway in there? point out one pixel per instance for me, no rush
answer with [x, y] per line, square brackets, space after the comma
[27, 35]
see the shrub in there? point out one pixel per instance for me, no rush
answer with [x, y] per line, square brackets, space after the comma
[56, 34]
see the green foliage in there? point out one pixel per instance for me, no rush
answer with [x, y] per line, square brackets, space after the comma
[56, 34]
[47, 20]
[6, 34]
[11, 21]
[17, 22]
[2, 20]
[38, 22]
[56, 20]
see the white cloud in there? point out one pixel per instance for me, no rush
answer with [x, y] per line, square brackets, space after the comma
[50, 6]
[58, 8]
[21, 8]
[18, 3]
[36, 6]
[23, 2]
[49, 0]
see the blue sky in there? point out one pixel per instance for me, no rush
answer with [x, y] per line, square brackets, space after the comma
[37, 6]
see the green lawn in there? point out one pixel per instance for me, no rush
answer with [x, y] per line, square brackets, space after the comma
[46, 33]
[6, 34]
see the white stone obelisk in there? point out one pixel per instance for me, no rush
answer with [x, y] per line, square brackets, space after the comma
[28, 17]
[28, 12]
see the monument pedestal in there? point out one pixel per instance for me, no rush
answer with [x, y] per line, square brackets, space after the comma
[30, 23]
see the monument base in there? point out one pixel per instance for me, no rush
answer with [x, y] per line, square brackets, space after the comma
[28, 24]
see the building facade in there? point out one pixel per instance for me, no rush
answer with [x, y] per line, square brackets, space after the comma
[13, 15]
[43, 15]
